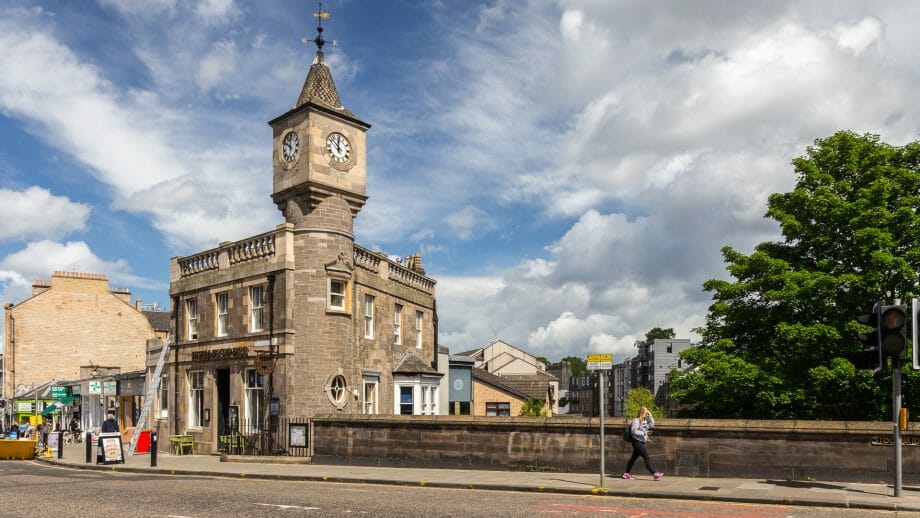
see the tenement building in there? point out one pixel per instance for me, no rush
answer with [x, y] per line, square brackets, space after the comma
[299, 321]
[77, 332]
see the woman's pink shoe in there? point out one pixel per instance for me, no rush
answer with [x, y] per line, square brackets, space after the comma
[658, 475]
[627, 475]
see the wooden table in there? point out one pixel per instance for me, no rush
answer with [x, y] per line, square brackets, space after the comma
[179, 443]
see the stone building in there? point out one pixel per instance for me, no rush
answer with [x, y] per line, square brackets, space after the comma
[300, 319]
[72, 326]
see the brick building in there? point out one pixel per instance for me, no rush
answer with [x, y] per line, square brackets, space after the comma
[514, 369]
[300, 319]
[70, 327]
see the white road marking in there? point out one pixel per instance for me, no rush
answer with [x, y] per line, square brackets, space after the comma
[279, 506]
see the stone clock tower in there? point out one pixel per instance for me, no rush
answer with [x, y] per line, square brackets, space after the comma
[318, 149]
[301, 321]
[319, 175]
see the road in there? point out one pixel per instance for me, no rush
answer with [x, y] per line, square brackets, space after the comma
[31, 488]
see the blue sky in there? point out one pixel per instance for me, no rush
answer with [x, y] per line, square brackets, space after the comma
[569, 170]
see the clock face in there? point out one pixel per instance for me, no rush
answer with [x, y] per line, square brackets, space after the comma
[458, 384]
[339, 148]
[290, 146]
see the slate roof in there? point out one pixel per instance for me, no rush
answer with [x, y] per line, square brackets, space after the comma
[473, 353]
[159, 320]
[319, 89]
[409, 363]
[498, 382]
[533, 385]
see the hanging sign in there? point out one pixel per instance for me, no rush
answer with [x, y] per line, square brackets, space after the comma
[265, 364]
[59, 391]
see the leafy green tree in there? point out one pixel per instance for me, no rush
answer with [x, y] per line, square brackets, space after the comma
[657, 333]
[578, 364]
[777, 337]
[543, 359]
[641, 397]
[533, 408]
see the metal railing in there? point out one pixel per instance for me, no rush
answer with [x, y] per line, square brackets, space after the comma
[286, 436]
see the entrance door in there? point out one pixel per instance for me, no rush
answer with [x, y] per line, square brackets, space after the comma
[223, 399]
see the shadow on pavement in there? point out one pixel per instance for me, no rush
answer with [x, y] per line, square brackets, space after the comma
[804, 484]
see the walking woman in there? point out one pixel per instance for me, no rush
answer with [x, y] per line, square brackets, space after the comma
[639, 428]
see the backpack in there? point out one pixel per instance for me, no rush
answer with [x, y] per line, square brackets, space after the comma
[627, 433]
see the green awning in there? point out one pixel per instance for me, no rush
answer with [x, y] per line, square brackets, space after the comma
[58, 405]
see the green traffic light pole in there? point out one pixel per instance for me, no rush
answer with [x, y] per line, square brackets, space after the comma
[892, 322]
[896, 403]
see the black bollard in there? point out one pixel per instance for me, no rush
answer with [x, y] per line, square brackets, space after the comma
[61, 444]
[153, 449]
[89, 447]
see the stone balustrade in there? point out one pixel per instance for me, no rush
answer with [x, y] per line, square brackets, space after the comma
[252, 248]
[406, 276]
[366, 259]
[199, 263]
[259, 247]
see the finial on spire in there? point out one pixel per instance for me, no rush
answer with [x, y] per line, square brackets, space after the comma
[320, 15]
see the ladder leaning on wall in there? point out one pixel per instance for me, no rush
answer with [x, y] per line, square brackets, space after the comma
[148, 401]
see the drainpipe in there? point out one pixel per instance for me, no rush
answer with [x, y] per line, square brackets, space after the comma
[271, 350]
[175, 408]
[434, 318]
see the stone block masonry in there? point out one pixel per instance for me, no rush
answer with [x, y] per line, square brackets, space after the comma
[785, 450]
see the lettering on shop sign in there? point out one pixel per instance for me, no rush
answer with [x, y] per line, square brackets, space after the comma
[912, 440]
[220, 354]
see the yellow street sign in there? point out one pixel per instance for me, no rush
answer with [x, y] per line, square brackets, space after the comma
[600, 358]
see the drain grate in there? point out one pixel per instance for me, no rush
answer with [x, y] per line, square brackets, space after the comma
[710, 488]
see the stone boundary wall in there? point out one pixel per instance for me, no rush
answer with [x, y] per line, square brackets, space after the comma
[853, 451]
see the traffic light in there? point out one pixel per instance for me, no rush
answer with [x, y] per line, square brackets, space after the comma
[892, 329]
[915, 323]
[871, 357]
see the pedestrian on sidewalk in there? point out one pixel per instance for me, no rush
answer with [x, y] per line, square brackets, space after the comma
[639, 429]
[110, 424]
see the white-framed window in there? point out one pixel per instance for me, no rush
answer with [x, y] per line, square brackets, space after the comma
[498, 408]
[254, 386]
[369, 316]
[397, 324]
[223, 305]
[163, 392]
[429, 400]
[406, 399]
[419, 320]
[191, 316]
[370, 399]
[196, 399]
[255, 309]
[336, 294]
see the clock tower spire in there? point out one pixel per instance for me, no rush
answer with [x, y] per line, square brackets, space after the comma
[319, 146]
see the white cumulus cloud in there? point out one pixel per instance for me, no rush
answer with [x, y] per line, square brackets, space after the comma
[36, 213]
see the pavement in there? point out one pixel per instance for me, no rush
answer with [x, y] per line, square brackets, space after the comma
[761, 491]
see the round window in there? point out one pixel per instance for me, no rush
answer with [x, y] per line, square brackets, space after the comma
[337, 390]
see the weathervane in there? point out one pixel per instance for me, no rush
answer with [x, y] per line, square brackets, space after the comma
[320, 15]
